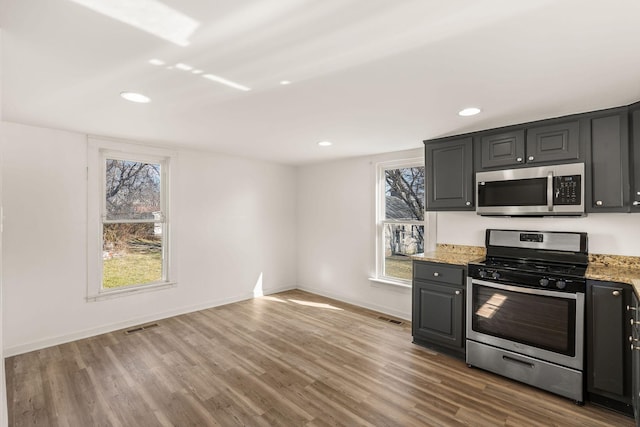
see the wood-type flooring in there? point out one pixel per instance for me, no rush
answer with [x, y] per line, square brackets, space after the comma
[289, 359]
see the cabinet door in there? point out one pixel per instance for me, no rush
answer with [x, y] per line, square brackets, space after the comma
[609, 159]
[449, 175]
[608, 364]
[504, 149]
[438, 313]
[552, 143]
[635, 138]
[635, 362]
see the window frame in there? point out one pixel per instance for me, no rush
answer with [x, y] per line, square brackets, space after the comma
[99, 150]
[381, 221]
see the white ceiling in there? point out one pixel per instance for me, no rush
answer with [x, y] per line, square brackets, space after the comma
[371, 76]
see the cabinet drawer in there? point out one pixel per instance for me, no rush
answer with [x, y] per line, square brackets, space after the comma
[436, 272]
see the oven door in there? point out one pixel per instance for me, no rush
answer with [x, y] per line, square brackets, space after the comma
[541, 323]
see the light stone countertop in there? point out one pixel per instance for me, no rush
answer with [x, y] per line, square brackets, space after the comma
[452, 254]
[610, 268]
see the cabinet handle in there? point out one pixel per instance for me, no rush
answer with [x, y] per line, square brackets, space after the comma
[638, 193]
[632, 339]
[436, 274]
[457, 292]
[519, 159]
[636, 203]
[616, 294]
[629, 308]
[531, 157]
[599, 203]
[468, 203]
[632, 322]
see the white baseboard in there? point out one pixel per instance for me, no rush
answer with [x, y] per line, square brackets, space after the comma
[61, 339]
[374, 307]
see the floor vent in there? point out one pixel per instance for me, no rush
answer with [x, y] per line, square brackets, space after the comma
[394, 321]
[141, 328]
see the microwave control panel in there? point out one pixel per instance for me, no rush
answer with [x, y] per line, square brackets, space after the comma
[567, 189]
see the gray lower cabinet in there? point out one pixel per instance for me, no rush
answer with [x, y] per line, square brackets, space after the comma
[608, 161]
[634, 338]
[449, 166]
[438, 316]
[635, 165]
[608, 352]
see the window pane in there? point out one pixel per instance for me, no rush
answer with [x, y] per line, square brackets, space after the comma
[401, 241]
[404, 193]
[132, 190]
[131, 254]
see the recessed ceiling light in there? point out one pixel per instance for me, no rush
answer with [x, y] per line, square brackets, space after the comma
[325, 143]
[226, 82]
[471, 111]
[184, 67]
[135, 97]
[156, 61]
[197, 71]
[285, 82]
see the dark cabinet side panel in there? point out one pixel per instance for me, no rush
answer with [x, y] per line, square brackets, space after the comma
[635, 138]
[607, 364]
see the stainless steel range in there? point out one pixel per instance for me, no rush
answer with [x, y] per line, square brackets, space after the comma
[525, 309]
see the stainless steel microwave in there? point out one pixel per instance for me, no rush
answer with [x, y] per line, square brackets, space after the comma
[535, 191]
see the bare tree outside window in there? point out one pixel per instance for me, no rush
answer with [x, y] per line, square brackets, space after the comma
[403, 219]
[132, 226]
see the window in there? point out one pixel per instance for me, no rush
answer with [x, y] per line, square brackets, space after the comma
[128, 218]
[400, 218]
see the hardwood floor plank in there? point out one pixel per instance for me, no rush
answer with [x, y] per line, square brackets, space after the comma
[290, 359]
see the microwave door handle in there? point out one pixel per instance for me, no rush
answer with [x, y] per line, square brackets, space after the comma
[550, 191]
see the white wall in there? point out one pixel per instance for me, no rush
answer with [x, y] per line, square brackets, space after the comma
[3, 384]
[233, 224]
[616, 234]
[336, 234]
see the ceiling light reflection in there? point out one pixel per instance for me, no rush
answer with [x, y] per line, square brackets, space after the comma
[184, 67]
[225, 82]
[151, 16]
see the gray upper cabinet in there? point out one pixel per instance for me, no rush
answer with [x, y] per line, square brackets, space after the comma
[635, 148]
[608, 161]
[449, 167]
[553, 143]
[529, 145]
[606, 141]
[503, 149]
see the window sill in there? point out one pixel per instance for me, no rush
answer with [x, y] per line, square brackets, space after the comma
[130, 290]
[390, 282]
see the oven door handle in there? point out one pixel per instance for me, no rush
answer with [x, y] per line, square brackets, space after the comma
[524, 290]
[550, 191]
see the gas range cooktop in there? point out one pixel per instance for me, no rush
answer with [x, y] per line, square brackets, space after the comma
[535, 266]
[536, 259]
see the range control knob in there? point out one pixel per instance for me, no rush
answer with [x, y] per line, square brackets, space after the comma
[495, 275]
[560, 284]
[544, 282]
[482, 273]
